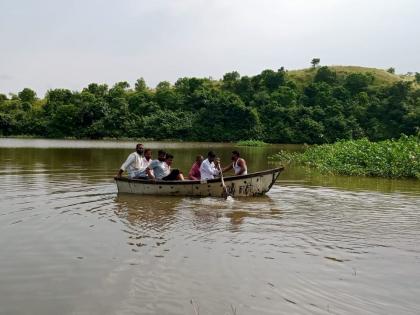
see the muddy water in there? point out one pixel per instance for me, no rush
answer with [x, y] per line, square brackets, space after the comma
[314, 245]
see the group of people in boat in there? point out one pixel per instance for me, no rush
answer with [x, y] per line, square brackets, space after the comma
[140, 165]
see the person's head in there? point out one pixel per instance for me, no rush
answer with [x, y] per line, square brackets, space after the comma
[235, 155]
[148, 154]
[169, 159]
[161, 155]
[140, 148]
[199, 159]
[211, 156]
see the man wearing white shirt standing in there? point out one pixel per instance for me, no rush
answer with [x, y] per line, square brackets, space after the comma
[136, 163]
[208, 168]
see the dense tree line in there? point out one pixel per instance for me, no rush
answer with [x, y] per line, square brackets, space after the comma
[269, 106]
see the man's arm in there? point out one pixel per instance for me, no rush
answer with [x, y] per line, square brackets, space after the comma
[150, 173]
[216, 169]
[228, 168]
[149, 170]
[124, 166]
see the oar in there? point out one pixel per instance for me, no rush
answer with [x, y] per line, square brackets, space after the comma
[226, 194]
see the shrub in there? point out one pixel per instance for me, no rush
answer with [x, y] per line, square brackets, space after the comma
[251, 143]
[389, 158]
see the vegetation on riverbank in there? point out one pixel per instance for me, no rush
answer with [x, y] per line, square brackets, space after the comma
[317, 105]
[251, 143]
[389, 158]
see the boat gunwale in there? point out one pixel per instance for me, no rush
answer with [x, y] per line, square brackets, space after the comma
[195, 182]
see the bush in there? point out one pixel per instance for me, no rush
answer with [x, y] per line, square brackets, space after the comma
[251, 143]
[389, 158]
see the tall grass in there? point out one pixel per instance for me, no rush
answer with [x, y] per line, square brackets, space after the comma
[389, 158]
[304, 76]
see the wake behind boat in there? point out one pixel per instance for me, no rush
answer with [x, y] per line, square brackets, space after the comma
[253, 184]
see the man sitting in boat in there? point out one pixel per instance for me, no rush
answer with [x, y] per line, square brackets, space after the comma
[238, 164]
[136, 163]
[209, 168]
[161, 168]
[194, 173]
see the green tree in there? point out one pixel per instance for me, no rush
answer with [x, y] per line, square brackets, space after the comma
[273, 106]
[167, 97]
[166, 124]
[140, 85]
[230, 80]
[391, 70]
[65, 122]
[56, 98]
[7, 124]
[358, 82]
[315, 62]
[99, 90]
[27, 95]
[225, 118]
[325, 74]
[273, 80]
[3, 98]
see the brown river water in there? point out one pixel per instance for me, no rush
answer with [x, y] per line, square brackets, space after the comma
[315, 244]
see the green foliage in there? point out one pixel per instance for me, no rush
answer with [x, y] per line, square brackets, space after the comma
[391, 70]
[251, 143]
[27, 95]
[140, 85]
[315, 62]
[358, 82]
[321, 105]
[3, 98]
[417, 77]
[325, 74]
[389, 158]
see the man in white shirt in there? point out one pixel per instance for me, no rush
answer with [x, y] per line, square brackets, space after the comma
[136, 163]
[208, 168]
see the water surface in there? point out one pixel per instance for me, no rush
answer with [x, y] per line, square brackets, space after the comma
[315, 244]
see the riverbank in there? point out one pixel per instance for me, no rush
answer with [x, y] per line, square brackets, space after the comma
[390, 158]
[242, 143]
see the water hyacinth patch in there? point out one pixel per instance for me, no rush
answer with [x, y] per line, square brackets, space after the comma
[389, 158]
[251, 143]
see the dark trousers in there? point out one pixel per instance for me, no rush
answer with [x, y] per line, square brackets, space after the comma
[172, 176]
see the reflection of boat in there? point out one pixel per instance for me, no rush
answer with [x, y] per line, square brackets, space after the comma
[253, 184]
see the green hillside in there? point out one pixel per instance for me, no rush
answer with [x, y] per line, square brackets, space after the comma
[382, 77]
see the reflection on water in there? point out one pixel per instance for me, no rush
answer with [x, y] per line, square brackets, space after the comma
[314, 245]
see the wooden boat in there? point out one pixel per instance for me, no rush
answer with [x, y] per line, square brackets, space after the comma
[253, 184]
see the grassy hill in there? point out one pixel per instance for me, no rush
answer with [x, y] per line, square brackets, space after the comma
[382, 77]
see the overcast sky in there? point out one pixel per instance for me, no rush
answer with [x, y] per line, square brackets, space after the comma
[68, 44]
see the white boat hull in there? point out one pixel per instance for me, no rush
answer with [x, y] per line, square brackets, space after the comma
[254, 184]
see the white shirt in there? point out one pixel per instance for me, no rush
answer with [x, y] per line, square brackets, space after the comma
[160, 169]
[208, 170]
[135, 163]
